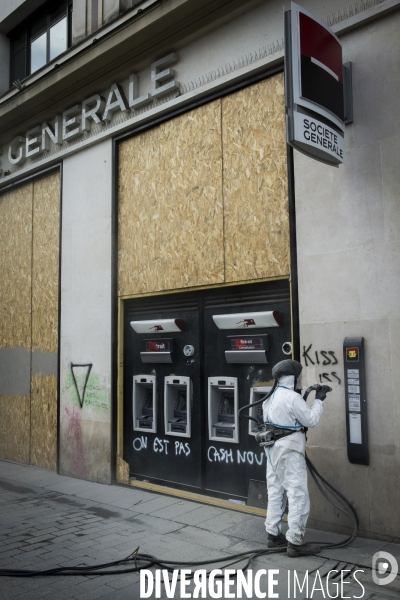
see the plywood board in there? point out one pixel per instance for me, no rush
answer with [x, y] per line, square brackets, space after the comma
[45, 276]
[122, 470]
[15, 428]
[44, 421]
[15, 267]
[256, 221]
[170, 205]
[46, 235]
[29, 238]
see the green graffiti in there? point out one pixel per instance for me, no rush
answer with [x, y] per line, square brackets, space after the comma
[96, 397]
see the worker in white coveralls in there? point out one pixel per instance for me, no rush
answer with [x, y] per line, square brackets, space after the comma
[286, 415]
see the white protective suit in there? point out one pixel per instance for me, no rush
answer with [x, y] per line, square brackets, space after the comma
[286, 465]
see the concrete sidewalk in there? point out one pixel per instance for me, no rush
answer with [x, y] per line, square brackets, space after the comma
[47, 520]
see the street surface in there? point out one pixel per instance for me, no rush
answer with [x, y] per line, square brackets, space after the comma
[47, 520]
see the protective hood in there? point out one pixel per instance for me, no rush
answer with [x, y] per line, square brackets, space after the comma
[287, 381]
[286, 367]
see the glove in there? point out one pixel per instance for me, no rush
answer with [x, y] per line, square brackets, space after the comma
[265, 438]
[322, 392]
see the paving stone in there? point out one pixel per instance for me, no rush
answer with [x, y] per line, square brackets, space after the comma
[155, 504]
[90, 594]
[301, 564]
[201, 537]
[91, 584]
[13, 545]
[123, 581]
[131, 503]
[252, 530]
[179, 508]
[127, 591]
[393, 549]
[148, 523]
[46, 591]
[224, 522]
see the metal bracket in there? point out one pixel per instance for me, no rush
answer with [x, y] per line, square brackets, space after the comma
[348, 92]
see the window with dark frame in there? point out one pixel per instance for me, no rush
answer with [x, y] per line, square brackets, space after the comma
[40, 39]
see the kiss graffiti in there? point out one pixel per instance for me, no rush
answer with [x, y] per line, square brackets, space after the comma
[322, 358]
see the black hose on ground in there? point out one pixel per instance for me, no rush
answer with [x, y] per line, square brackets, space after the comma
[353, 517]
[151, 561]
[147, 561]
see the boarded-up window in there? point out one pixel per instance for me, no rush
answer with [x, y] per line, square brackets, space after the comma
[29, 258]
[203, 198]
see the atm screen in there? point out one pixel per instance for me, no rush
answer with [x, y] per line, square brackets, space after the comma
[147, 406]
[226, 416]
[226, 409]
[181, 402]
[227, 405]
[259, 417]
[180, 408]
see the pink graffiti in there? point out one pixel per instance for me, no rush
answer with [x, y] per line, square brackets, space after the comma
[75, 433]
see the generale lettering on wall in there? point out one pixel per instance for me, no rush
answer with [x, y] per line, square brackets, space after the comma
[96, 109]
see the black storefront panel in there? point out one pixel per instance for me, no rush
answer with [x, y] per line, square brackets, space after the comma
[169, 449]
[183, 388]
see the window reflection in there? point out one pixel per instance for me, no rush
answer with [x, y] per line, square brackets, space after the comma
[20, 65]
[40, 39]
[38, 26]
[38, 52]
[58, 38]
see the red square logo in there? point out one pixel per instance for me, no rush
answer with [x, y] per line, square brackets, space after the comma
[352, 354]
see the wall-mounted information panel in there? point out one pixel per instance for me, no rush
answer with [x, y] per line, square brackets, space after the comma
[186, 429]
[356, 400]
[157, 351]
[247, 349]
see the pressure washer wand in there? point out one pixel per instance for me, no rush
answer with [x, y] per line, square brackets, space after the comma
[316, 387]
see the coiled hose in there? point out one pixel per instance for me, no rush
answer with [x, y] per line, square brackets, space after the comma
[138, 561]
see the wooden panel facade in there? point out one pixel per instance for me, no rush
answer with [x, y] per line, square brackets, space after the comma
[45, 263]
[256, 218]
[29, 264]
[15, 428]
[16, 267]
[203, 198]
[170, 205]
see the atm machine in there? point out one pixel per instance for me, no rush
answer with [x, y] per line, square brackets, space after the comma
[177, 406]
[144, 403]
[256, 393]
[245, 335]
[223, 422]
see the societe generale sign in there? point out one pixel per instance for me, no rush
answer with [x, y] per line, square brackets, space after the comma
[314, 87]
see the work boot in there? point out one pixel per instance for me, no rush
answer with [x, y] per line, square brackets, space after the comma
[294, 551]
[274, 541]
